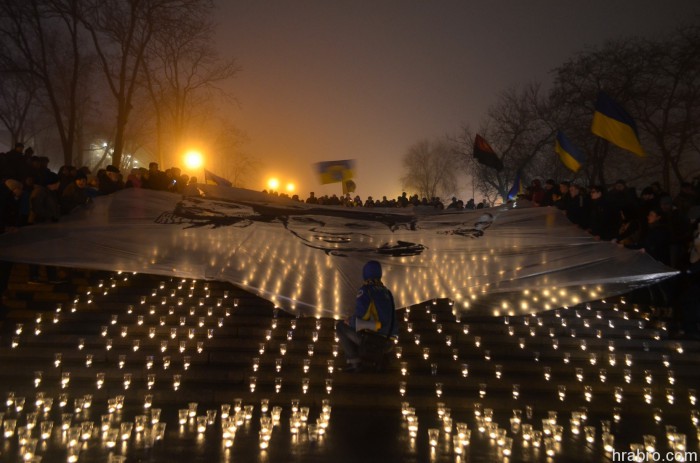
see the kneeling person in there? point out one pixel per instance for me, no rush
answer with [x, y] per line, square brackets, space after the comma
[374, 309]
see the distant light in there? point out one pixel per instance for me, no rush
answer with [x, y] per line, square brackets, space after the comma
[193, 159]
[290, 187]
[273, 183]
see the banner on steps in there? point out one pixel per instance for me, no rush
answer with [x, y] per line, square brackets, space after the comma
[308, 259]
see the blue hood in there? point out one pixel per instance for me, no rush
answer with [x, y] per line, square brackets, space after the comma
[372, 270]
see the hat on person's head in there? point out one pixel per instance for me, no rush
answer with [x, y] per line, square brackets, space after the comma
[372, 270]
[111, 168]
[51, 178]
[80, 175]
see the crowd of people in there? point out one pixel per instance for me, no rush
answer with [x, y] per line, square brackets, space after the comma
[32, 193]
[665, 226]
[402, 201]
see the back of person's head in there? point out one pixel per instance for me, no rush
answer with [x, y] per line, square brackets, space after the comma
[648, 191]
[372, 270]
[51, 178]
[666, 202]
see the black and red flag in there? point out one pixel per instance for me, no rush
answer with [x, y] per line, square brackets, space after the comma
[485, 154]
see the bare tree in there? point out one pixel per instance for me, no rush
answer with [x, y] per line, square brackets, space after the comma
[121, 31]
[658, 82]
[17, 96]
[518, 127]
[41, 39]
[228, 157]
[181, 76]
[668, 102]
[430, 168]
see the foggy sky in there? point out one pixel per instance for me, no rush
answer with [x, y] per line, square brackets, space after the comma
[335, 79]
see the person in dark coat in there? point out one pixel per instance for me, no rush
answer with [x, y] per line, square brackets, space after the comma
[656, 240]
[44, 202]
[111, 182]
[75, 194]
[13, 164]
[603, 221]
[577, 207]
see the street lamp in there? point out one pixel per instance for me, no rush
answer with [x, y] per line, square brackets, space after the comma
[194, 160]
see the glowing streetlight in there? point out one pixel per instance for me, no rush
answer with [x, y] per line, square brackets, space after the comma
[273, 184]
[290, 187]
[194, 159]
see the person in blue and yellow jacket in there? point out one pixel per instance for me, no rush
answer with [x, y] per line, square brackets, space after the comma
[374, 309]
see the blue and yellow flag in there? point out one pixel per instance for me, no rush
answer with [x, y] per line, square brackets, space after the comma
[570, 156]
[335, 171]
[612, 122]
[211, 178]
[516, 189]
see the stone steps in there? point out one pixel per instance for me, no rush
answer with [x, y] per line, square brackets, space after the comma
[241, 323]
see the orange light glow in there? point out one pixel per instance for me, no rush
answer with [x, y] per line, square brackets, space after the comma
[194, 159]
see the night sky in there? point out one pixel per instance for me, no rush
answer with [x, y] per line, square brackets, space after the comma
[334, 79]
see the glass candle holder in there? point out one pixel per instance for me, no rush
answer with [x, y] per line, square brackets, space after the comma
[433, 436]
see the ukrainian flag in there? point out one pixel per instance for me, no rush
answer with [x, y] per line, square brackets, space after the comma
[336, 171]
[611, 121]
[211, 178]
[516, 189]
[570, 156]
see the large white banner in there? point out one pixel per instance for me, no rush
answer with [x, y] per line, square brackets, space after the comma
[308, 259]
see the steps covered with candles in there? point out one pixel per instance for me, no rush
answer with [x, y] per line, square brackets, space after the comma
[163, 369]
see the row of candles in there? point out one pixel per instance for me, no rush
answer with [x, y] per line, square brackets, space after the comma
[76, 429]
[550, 436]
[143, 425]
[448, 339]
[676, 441]
[296, 418]
[282, 349]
